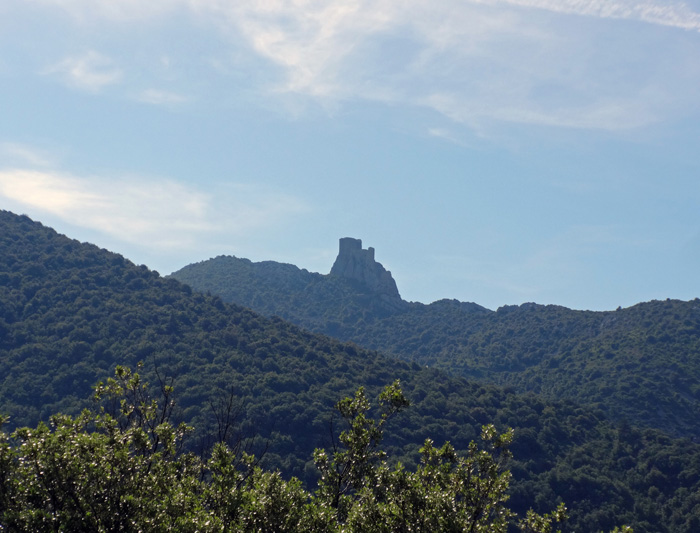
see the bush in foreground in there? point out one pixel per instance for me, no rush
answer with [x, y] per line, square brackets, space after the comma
[121, 468]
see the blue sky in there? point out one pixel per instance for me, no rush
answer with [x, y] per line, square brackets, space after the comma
[495, 151]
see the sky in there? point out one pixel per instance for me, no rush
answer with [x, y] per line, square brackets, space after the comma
[491, 151]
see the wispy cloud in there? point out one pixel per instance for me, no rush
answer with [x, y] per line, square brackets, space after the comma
[25, 154]
[158, 97]
[117, 10]
[562, 63]
[90, 71]
[483, 60]
[667, 13]
[154, 213]
[674, 14]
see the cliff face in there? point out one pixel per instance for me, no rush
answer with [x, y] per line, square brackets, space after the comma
[357, 264]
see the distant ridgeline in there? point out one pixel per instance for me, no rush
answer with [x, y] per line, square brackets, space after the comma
[70, 312]
[640, 364]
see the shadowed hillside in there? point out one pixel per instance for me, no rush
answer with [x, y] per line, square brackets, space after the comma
[70, 312]
[640, 365]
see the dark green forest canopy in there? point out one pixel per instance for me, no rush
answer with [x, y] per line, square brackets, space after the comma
[70, 312]
[640, 365]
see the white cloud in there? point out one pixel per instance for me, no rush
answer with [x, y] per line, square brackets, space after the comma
[563, 63]
[526, 61]
[90, 71]
[150, 213]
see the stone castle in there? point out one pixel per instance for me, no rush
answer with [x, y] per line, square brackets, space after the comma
[357, 264]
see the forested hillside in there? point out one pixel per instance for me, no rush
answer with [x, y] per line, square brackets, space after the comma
[71, 312]
[640, 365]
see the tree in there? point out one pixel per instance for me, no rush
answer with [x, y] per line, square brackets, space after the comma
[445, 493]
[121, 468]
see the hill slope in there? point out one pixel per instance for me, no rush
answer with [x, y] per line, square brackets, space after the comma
[640, 364]
[69, 312]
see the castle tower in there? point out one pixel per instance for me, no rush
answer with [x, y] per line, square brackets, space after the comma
[355, 263]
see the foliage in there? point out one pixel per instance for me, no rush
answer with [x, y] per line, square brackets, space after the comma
[98, 472]
[640, 364]
[445, 493]
[70, 312]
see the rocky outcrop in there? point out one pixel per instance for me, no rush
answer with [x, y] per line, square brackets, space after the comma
[357, 264]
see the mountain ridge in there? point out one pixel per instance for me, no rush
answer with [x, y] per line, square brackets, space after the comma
[70, 312]
[640, 364]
